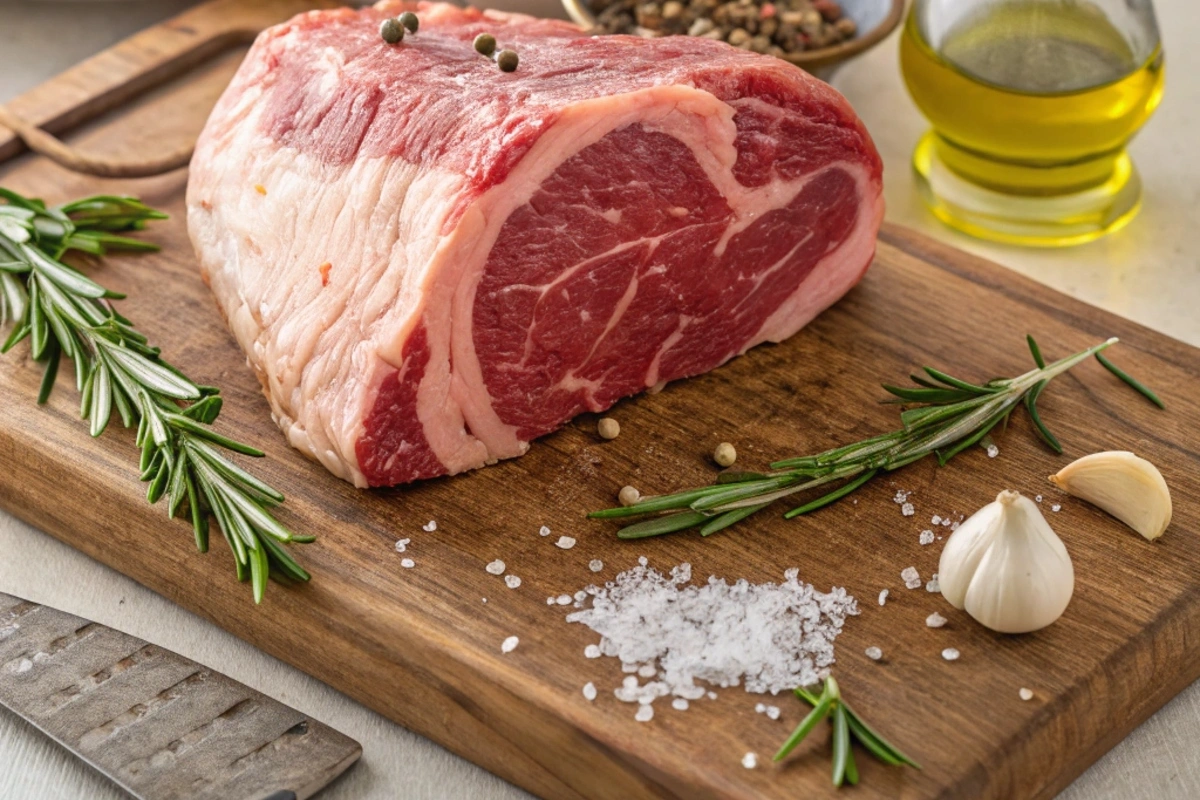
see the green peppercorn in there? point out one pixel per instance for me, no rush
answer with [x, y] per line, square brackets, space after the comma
[409, 20]
[507, 60]
[485, 44]
[391, 30]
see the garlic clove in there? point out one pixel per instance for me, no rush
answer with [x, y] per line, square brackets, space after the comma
[1006, 567]
[1126, 486]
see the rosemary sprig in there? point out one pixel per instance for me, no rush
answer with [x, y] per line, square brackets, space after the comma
[847, 726]
[64, 313]
[944, 416]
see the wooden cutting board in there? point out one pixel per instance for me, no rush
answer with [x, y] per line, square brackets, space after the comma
[421, 647]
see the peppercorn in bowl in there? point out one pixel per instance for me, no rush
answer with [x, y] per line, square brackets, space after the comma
[816, 35]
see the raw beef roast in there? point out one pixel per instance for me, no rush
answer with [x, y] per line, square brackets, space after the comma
[430, 262]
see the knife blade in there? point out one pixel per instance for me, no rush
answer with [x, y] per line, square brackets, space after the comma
[160, 726]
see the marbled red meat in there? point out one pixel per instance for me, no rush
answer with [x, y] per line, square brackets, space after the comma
[450, 261]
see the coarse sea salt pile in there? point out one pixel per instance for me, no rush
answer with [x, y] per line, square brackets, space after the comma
[768, 637]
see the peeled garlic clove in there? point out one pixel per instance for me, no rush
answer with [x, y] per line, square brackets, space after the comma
[1006, 567]
[1126, 486]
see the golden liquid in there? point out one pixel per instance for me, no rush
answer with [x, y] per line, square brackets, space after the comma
[1032, 98]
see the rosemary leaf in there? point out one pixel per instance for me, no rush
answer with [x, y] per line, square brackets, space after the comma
[833, 496]
[814, 718]
[1129, 379]
[841, 744]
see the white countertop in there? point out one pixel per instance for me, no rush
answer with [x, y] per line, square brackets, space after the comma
[1149, 272]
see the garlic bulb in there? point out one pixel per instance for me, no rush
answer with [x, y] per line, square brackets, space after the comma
[1006, 568]
[1130, 488]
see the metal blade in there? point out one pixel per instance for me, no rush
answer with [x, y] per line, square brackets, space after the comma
[160, 726]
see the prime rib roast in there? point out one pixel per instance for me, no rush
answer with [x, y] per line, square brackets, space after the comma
[430, 262]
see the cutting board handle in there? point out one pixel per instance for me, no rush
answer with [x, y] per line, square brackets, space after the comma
[137, 64]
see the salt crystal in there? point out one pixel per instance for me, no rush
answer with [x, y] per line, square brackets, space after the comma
[933, 585]
[430, 527]
[874, 653]
[592, 651]
[950, 654]
[935, 520]
[911, 578]
[631, 682]
[595, 565]
[935, 620]
[766, 637]
[543, 531]
[773, 712]
[947, 523]
[926, 537]
[580, 596]
[1025, 694]
[509, 644]
[495, 567]
[907, 509]
[901, 497]
[679, 704]
[648, 671]
[712, 695]
[565, 542]
[644, 713]
[407, 563]
[750, 761]
[760, 708]
[883, 597]
[993, 451]
[402, 545]
[589, 691]
[564, 600]
[1038, 499]
[1056, 508]
[643, 560]
[550, 601]
[512, 581]
[485, 599]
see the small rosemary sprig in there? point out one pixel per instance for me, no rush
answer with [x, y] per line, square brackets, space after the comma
[946, 415]
[847, 726]
[64, 313]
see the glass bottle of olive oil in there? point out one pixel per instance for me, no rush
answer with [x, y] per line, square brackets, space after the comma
[1032, 103]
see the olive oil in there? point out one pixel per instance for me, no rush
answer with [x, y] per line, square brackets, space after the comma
[1032, 104]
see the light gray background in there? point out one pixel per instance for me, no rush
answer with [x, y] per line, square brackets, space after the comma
[1149, 272]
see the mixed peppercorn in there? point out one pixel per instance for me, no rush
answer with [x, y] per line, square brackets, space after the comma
[774, 28]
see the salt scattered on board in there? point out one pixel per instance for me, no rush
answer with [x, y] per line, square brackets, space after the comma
[509, 644]
[402, 545]
[926, 537]
[589, 691]
[907, 509]
[495, 567]
[512, 581]
[645, 713]
[911, 578]
[1025, 694]
[1056, 507]
[750, 760]
[767, 637]
[935, 620]
[883, 597]
[430, 527]
[592, 651]
[933, 585]
[565, 542]
[407, 563]
[595, 565]
[679, 704]
[874, 653]
[992, 451]
[950, 654]
[543, 531]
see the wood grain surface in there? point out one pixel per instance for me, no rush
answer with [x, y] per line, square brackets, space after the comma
[160, 726]
[421, 647]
